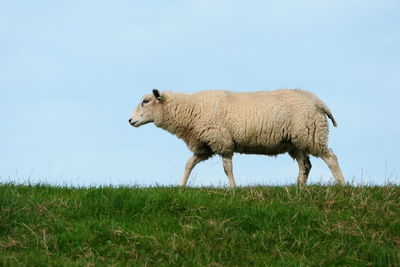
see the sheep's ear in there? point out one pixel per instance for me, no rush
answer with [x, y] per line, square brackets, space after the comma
[157, 94]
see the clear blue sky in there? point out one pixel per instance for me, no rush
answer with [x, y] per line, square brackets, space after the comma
[71, 72]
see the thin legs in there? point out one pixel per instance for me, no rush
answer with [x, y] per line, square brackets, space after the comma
[333, 164]
[227, 162]
[193, 161]
[303, 160]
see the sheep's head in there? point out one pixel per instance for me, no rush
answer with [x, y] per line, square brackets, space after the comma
[149, 109]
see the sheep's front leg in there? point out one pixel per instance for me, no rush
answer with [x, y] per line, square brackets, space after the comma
[227, 162]
[193, 161]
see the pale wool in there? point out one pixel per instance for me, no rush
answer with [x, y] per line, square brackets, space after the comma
[224, 122]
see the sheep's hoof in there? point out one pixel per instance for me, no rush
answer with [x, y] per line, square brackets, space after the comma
[182, 188]
[301, 186]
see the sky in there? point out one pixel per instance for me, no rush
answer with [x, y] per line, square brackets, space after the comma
[71, 73]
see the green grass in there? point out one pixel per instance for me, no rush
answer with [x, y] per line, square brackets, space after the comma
[254, 226]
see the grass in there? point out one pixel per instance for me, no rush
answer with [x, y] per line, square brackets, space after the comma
[253, 226]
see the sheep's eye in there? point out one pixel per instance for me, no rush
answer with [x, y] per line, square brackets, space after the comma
[145, 101]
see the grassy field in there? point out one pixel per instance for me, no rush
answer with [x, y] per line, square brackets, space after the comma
[254, 226]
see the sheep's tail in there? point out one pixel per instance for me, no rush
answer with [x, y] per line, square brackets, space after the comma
[328, 113]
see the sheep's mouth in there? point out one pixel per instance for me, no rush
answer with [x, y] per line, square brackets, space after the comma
[133, 123]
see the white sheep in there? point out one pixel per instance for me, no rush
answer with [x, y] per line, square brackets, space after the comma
[224, 122]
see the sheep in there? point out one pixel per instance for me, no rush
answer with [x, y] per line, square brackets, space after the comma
[223, 122]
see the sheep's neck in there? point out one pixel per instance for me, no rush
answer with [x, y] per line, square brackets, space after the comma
[178, 118]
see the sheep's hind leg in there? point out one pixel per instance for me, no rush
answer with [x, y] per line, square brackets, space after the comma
[227, 162]
[303, 160]
[333, 164]
[193, 161]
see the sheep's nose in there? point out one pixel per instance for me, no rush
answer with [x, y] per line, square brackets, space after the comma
[130, 120]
